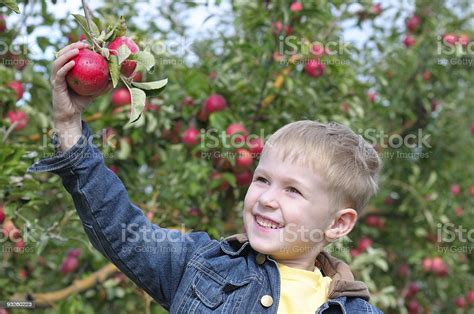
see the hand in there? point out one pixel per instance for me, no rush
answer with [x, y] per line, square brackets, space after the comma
[67, 105]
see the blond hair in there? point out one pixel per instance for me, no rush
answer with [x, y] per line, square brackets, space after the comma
[348, 164]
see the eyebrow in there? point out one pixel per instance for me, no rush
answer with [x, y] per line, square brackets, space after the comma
[285, 179]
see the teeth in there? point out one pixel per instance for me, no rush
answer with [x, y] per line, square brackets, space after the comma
[267, 224]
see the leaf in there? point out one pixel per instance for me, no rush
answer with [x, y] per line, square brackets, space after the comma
[138, 104]
[123, 53]
[121, 27]
[11, 4]
[114, 70]
[144, 59]
[152, 88]
[81, 20]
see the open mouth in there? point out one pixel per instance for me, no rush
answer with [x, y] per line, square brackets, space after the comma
[266, 223]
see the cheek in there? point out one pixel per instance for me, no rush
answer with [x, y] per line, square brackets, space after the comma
[250, 198]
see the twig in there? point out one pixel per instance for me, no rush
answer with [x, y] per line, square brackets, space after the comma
[10, 129]
[49, 298]
[89, 22]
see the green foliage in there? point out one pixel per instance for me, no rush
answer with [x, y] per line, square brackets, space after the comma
[420, 91]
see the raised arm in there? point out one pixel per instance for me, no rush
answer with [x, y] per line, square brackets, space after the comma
[153, 257]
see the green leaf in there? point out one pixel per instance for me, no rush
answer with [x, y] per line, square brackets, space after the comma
[81, 20]
[114, 70]
[123, 53]
[138, 104]
[144, 59]
[152, 88]
[11, 4]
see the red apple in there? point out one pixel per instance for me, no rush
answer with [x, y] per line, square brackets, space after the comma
[439, 267]
[137, 77]
[376, 9]
[191, 136]
[69, 265]
[188, 101]
[3, 24]
[455, 189]
[403, 270]
[317, 50]
[426, 75]
[243, 158]
[409, 41]
[471, 190]
[296, 6]
[372, 96]
[243, 178]
[74, 252]
[470, 297]
[256, 146]
[128, 66]
[460, 302]
[17, 87]
[375, 221]
[458, 211]
[152, 107]
[237, 132]
[121, 97]
[464, 40]
[413, 289]
[19, 245]
[413, 307]
[314, 68]
[90, 74]
[354, 252]
[18, 116]
[412, 23]
[450, 39]
[114, 168]
[427, 264]
[278, 28]
[278, 56]
[217, 176]
[2, 215]
[194, 212]
[364, 243]
[214, 102]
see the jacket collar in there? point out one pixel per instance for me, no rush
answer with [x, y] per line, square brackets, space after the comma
[342, 284]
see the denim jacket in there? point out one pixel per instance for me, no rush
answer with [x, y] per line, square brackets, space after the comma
[184, 272]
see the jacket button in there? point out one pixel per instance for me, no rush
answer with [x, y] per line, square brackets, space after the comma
[266, 300]
[260, 258]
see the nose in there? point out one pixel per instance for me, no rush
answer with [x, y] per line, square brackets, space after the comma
[268, 199]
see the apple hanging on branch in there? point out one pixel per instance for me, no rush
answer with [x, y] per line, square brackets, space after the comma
[113, 57]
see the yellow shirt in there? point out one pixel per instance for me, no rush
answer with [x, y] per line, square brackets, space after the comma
[302, 291]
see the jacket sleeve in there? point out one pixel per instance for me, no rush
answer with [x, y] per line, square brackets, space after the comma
[153, 257]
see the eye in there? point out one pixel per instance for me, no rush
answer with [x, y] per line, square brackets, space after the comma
[293, 190]
[261, 179]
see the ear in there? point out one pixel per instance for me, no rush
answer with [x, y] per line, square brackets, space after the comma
[344, 221]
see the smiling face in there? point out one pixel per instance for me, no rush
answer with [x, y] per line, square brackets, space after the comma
[286, 210]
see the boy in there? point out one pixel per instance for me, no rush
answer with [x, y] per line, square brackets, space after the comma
[311, 181]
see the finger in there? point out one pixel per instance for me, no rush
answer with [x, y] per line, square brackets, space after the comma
[59, 62]
[77, 45]
[60, 80]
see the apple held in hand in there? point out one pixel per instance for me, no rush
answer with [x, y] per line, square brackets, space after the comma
[90, 74]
